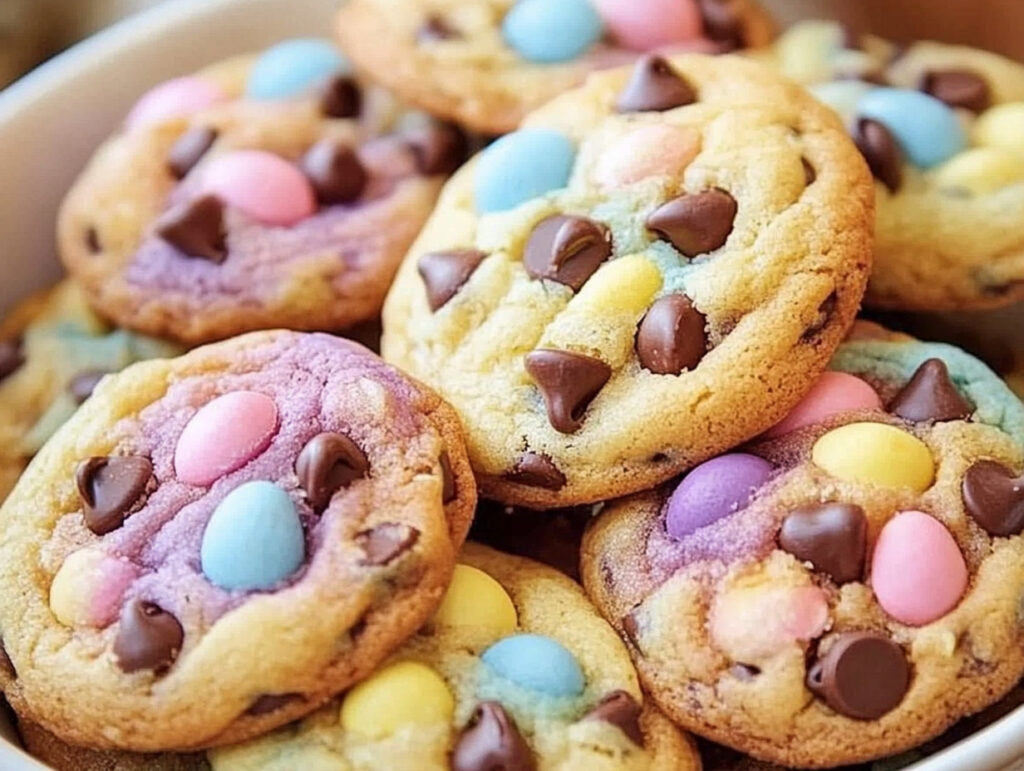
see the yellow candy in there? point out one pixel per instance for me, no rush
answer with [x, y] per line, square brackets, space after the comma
[981, 170]
[1002, 126]
[475, 599]
[401, 694]
[69, 593]
[877, 454]
[627, 284]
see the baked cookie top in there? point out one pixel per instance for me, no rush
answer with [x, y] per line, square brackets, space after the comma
[845, 587]
[266, 191]
[215, 545]
[653, 269]
[941, 127]
[486, 63]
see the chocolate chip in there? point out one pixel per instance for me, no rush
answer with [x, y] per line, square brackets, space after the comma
[622, 711]
[654, 86]
[809, 173]
[439, 148]
[84, 383]
[11, 357]
[447, 479]
[536, 470]
[695, 223]
[930, 395]
[341, 98]
[444, 273]
[148, 637]
[196, 228]
[384, 543]
[334, 171]
[92, 240]
[329, 462]
[884, 157]
[824, 315]
[863, 675]
[833, 537]
[111, 488]
[271, 702]
[994, 496]
[567, 249]
[671, 336]
[491, 742]
[723, 22]
[435, 28]
[569, 382]
[957, 88]
[189, 149]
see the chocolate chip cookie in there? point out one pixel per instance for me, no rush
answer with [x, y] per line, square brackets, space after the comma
[653, 269]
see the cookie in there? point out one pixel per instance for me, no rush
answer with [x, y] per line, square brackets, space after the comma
[53, 351]
[217, 544]
[654, 269]
[940, 126]
[849, 585]
[267, 191]
[487, 64]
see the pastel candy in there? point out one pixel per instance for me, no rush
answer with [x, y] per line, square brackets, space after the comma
[831, 394]
[89, 588]
[263, 185]
[402, 694]
[928, 131]
[254, 538]
[981, 170]
[475, 599]
[625, 285]
[654, 23]
[713, 490]
[1002, 126]
[750, 624]
[551, 30]
[917, 571]
[536, 663]
[654, 150]
[293, 68]
[876, 454]
[176, 98]
[842, 96]
[520, 166]
[224, 435]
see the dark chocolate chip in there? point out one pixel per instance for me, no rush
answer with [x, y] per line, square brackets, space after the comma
[11, 357]
[958, 88]
[695, 223]
[111, 488]
[930, 395]
[439, 148]
[622, 711]
[671, 336]
[148, 637]
[385, 543]
[341, 98]
[809, 173]
[329, 462]
[994, 496]
[536, 470]
[92, 240]
[447, 478]
[569, 382]
[444, 273]
[84, 383]
[189, 149]
[334, 171]
[863, 675]
[723, 22]
[435, 28]
[491, 742]
[654, 86]
[825, 312]
[833, 537]
[567, 249]
[271, 702]
[196, 228]
[879, 148]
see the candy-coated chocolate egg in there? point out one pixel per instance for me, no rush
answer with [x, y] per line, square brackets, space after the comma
[537, 663]
[877, 454]
[402, 694]
[475, 599]
[522, 165]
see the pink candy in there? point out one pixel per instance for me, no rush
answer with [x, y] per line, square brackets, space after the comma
[657, 149]
[225, 435]
[755, 623]
[917, 571]
[110, 581]
[651, 23]
[176, 98]
[834, 392]
[263, 185]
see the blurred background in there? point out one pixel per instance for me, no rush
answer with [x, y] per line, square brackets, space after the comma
[32, 30]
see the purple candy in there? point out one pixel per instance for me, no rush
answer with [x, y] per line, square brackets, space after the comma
[713, 490]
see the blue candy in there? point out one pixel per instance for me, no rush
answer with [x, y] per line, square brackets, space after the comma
[292, 68]
[254, 538]
[536, 662]
[928, 131]
[552, 30]
[520, 166]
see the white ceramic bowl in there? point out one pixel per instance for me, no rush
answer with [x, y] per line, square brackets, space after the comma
[51, 120]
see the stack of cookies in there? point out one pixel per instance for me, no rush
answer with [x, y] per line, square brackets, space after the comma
[621, 339]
